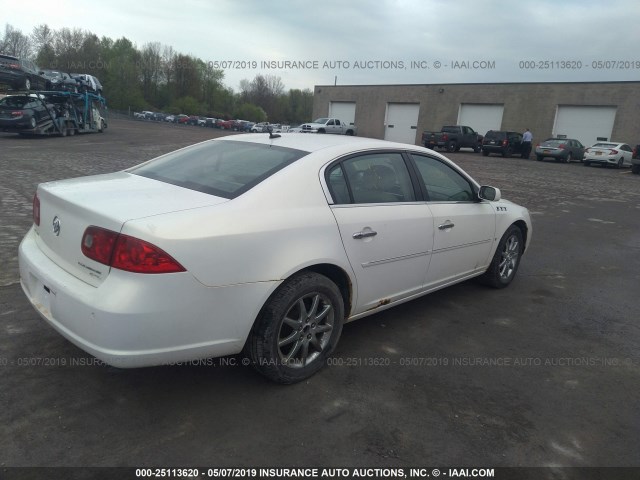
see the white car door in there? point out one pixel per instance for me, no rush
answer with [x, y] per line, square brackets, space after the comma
[464, 228]
[386, 233]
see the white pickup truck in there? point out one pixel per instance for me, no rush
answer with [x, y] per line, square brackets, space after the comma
[329, 125]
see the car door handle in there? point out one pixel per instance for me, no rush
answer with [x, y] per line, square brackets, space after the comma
[445, 226]
[359, 235]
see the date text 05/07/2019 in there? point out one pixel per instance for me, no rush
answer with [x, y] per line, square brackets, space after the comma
[611, 64]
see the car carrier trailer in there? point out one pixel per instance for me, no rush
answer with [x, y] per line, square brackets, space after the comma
[69, 113]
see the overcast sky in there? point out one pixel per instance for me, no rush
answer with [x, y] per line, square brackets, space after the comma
[376, 41]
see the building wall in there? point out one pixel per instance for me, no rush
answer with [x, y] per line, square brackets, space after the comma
[526, 105]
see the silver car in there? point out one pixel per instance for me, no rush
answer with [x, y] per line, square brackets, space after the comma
[560, 149]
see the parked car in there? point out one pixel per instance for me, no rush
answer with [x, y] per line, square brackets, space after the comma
[635, 160]
[608, 153]
[184, 237]
[192, 120]
[210, 122]
[453, 138]
[505, 143]
[182, 119]
[148, 115]
[202, 121]
[21, 74]
[21, 112]
[170, 118]
[329, 125]
[560, 149]
[259, 127]
[61, 81]
[224, 124]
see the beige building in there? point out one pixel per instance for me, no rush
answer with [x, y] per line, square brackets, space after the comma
[586, 111]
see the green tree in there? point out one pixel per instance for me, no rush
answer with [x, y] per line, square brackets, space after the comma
[251, 112]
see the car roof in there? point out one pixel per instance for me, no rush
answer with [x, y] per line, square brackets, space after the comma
[315, 142]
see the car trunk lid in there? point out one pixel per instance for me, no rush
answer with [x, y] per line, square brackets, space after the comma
[68, 207]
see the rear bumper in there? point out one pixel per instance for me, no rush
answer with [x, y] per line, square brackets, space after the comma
[134, 320]
[602, 160]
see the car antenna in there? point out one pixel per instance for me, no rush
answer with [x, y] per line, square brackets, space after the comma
[271, 134]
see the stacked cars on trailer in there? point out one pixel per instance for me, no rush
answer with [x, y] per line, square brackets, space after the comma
[53, 113]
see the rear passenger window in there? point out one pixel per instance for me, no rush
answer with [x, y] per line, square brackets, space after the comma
[371, 178]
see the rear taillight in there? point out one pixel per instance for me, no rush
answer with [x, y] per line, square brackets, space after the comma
[17, 113]
[126, 253]
[586, 150]
[36, 209]
[504, 143]
[613, 151]
[445, 137]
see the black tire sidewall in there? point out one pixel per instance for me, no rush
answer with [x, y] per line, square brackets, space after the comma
[262, 344]
[492, 275]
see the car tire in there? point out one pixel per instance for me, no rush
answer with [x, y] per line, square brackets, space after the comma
[297, 329]
[505, 262]
[635, 168]
[322, 130]
[568, 158]
[100, 126]
[539, 158]
[451, 147]
[33, 123]
[477, 149]
[507, 152]
[620, 163]
[485, 153]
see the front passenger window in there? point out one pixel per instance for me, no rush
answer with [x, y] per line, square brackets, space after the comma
[443, 183]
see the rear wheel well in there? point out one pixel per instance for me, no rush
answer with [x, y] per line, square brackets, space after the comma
[340, 278]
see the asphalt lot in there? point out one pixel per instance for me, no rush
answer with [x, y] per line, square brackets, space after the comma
[543, 373]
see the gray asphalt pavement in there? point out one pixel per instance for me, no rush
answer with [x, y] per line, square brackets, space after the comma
[543, 373]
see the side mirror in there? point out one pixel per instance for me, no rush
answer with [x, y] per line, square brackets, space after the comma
[489, 193]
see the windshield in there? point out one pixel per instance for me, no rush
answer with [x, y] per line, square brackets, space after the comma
[605, 145]
[222, 168]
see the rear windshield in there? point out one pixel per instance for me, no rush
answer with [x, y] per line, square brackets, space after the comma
[555, 142]
[15, 102]
[223, 168]
[605, 145]
[495, 134]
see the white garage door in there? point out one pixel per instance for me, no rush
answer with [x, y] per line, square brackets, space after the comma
[585, 123]
[401, 122]
[481, 117]
[343, 111]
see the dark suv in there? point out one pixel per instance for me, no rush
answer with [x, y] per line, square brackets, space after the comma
[20, 74]
[503, 142]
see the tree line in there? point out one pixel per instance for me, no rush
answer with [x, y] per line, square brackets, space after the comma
[156, 77]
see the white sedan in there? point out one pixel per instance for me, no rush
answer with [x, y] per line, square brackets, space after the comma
[608, 153]
[263, 243]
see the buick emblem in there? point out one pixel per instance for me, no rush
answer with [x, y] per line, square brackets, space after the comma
[56, 226]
